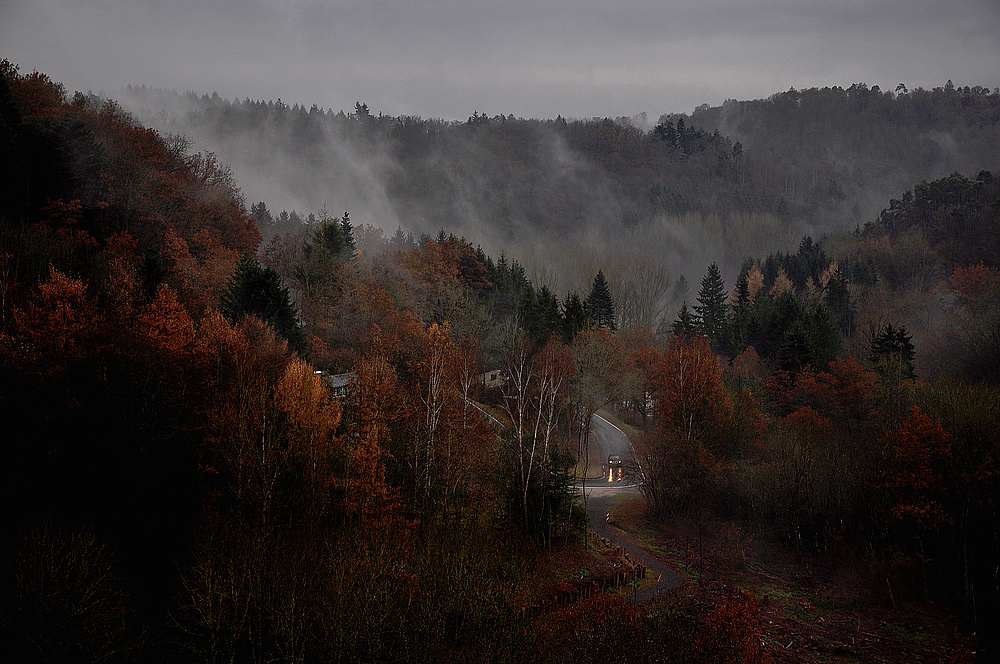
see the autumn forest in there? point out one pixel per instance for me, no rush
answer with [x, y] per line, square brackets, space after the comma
[243, 433]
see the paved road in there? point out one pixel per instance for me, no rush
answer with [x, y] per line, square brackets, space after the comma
[609, 440]
[600, 493]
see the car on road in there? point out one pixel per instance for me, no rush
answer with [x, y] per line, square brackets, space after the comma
[614, 460]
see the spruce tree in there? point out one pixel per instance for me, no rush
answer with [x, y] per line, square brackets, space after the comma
[261, 215]
[776, 317]
[825, 336]
[255, 290]
[838, 298]
[348, 232]
[712, 309]
[681, 290]
[891, 352]
[548, 315]
[326, 242]
[529, 312]
[796, 350]
[742, 316]
[600, 304]
[686, 324]
[575, 317]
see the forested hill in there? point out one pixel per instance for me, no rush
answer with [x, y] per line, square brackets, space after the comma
[183, 485]
[833, 149]
[742, 179]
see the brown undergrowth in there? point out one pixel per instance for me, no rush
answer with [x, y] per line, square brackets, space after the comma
[812, 608]
[574, 566]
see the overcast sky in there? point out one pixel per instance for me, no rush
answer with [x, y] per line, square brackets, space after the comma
[532, 58]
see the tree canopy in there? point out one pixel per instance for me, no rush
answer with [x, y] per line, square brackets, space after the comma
[256, 290]
[600, 305]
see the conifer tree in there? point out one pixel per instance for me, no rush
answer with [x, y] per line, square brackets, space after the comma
[529, 312]
[326, 242]
[838, 298]
[348, 232]
[600, 304]
[400, 241]
[681, 291]
[796, 350]
[686, 324]
[575, 317]
[825, 337]
[711, 309]
[548, 315]
[255, 290]
[742, 316]
[891, 352]
[261, 214]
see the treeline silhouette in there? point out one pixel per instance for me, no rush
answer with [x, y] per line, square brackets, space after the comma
[816, 159]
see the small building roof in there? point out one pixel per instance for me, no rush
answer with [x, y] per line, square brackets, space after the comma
[339, 381]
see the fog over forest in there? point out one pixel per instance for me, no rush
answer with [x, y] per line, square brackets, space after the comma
[659, 197]
[249, 348]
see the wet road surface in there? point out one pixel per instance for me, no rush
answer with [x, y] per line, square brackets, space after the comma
[600, 492]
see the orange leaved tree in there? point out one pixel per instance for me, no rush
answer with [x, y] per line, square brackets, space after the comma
[917, 480]
[692, 405]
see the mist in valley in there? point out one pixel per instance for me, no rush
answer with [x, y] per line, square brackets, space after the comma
[645, 202]
[254, 305]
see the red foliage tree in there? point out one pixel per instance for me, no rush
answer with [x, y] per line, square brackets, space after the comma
[730, 634]
[644, 358]
[120, 279]
[918, 471]
[313, 417]
[973, 282]
[35, 94]
[166, 325]
[376, 402]
[844, 393]
[691, 395]
[59, 321]
[369, 318]
[693, 416]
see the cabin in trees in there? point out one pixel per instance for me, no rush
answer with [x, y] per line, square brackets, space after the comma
[492, 379]
[339, 384]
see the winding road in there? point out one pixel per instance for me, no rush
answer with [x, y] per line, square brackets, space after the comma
[610, 440]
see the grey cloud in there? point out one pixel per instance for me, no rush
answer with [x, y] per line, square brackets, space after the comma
[536, 58]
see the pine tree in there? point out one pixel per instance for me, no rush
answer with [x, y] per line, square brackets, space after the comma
[681, 291]
[600, 304]
[548, 315]
[529, 313]
[255, 290]
[686, 324]
[261, 215]
[891, 352]
[682, 137]
[401, 241]
[838, 298]
[711, 309]
[327, 239]
[348, 232]
[796, 350]
[825, 337]
[575, 317]
[742, 316]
